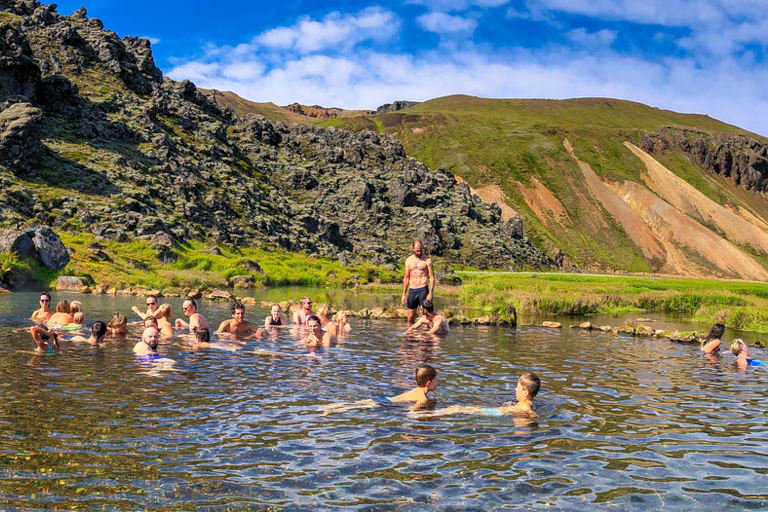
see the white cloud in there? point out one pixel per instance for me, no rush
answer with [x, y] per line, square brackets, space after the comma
[457, 5]
[592, 39]
[152, 40]
[442, 23]
[335, 29]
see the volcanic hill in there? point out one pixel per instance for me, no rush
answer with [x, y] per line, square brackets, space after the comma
[94, 139]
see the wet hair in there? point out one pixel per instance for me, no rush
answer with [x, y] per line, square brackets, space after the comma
[78, 318]
[46, 294]
[62, 306]
[425, 373]
[236, 306]
[75, 306]
[314, 318]
[166, 310]
[202, 334]
[98, 329]
[737, 346]
[427, 305]
[152, 319]
[151, 297]
[531, 382]
[118, 320]
[716, 332]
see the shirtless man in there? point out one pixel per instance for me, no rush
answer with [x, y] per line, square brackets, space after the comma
[300, 317]
[189, 307]
[418, 282]
[153, 308]
[317, 337]
[238, 326]
[44, 313]
[434, 323]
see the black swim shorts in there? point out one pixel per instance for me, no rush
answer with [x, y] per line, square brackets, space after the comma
[417, 296]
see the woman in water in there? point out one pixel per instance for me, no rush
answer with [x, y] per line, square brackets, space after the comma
[739, 349]
[164, 320]
[711, 344]
[275, 318]
[62, 316]
[118, 325]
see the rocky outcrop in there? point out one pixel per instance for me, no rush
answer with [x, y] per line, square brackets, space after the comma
[394, 107]
[155, 160]
[38, 243]
[739, 157]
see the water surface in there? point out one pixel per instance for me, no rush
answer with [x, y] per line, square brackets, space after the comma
[624, 423]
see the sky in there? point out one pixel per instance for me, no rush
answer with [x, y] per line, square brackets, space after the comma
[696, 56]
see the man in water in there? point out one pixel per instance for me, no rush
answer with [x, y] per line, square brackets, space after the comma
[189, 307]
[147, 346]
[434, 323]
[528, 386]
[44, 313]
[153, 308]
[238, 326]
[317, 337]
[300, 317]
[418, 282]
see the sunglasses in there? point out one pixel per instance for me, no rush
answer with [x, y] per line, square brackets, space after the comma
[186, 308]
[44, 300]
[151, 303]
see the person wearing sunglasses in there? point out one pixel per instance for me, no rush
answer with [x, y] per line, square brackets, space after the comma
[153, 308]
[44, 313]
[300, 317]
[189, 307]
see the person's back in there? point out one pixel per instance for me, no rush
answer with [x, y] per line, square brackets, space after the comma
[711, 345]
[426, 381]
[62, 315]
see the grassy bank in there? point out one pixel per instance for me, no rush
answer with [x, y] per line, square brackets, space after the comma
[739, 304]
[134, 264]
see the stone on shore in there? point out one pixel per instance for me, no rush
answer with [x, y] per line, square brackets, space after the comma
[70, 283]
[554, 325]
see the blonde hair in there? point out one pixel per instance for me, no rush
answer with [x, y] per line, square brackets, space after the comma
[75, 306]
[62, 306]
[118, 320]
[165, 310]
[737, 346]
[339, 315]
[78, 317]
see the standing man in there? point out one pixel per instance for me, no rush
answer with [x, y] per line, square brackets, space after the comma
[418, 282]
[189, 307]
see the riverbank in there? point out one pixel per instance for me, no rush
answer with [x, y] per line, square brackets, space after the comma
[739, 304]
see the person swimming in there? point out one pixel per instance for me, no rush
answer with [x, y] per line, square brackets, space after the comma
[118, 325]
[711, 344]
[62, 316]
[43, 314]
[275, 317]
[740, 350]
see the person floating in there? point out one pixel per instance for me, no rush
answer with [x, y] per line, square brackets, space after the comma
[238, 326]
[153, 308]
[711, 344]
[418, 281]
[528, 386]
[434, 323]
[189, 307]
[43, 314]
[426, 382]
[300, 316]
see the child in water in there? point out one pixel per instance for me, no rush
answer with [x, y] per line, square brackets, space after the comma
[426, 381]
[739, 349]
[528, 386]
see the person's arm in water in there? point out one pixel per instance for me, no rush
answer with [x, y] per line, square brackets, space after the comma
[421, 321]
[181, 324]
[43, 336]
[439, 325]
[224, 327]
[431, 278]
[406, 281]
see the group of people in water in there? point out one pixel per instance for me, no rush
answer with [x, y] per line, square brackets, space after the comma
[711, 346]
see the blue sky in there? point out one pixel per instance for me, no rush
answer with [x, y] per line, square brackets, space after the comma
[702, 56]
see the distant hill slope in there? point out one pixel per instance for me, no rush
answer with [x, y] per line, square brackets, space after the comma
[603, 184]
[94, 139]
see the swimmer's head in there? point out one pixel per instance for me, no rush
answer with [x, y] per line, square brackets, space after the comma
[150, 336]
[202, 334]
[424, 374]
[716, 332]
[150, 321]
[189, 307]
[75, 306]
[45, 297]
[427, 306]
[98, 329]
[152, 302]
[78, 318]
[530, 383]
[737, 346]
[306, 302]
[314, 323]
[275, 310]
[62, 306]
[166, 310]
[118, 320]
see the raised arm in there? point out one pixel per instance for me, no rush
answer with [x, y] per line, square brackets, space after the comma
[138, 312]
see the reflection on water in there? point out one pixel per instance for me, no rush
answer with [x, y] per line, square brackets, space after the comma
[623, 423]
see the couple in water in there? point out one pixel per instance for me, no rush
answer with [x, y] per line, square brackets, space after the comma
[711, 347]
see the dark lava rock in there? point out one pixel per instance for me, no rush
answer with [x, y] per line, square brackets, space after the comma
[253, 267]
[36, 242]
[215, 250]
